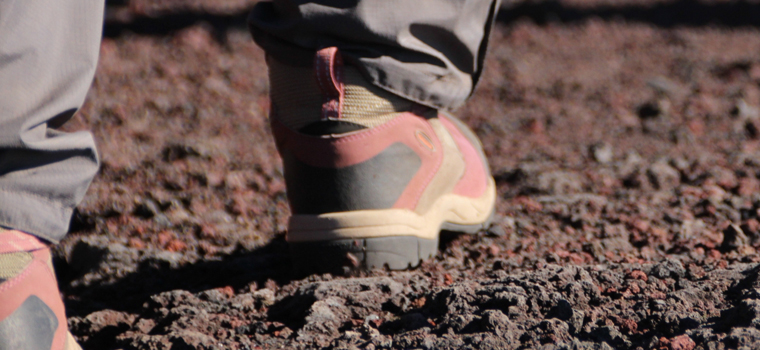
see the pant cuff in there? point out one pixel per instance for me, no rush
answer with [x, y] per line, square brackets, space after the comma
[38, 216]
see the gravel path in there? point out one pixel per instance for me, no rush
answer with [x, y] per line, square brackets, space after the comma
[624, 137]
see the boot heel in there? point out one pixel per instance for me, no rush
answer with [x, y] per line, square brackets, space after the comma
[343, 256]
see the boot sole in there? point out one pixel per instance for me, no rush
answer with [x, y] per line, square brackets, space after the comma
[393, 238]
[71, 344]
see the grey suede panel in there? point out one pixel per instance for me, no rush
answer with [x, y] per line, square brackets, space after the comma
[30, 327]
[374, 184]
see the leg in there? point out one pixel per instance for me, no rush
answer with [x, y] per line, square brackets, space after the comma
[373, 170]
[427, 51]
[48, 54]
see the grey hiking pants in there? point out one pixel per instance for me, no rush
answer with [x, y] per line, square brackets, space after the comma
[48, 54]
[429, 51]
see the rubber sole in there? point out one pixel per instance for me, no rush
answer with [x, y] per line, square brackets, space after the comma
[394, 239]
[343, 256]
[346, 255]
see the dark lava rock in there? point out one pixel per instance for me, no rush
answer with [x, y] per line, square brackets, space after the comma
[178, 243]
[611, 336]
[663, 176]
[744, 337]
[668, 269]
[733, 238]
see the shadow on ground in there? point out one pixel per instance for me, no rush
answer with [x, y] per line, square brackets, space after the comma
[240, 270]
[153, 276]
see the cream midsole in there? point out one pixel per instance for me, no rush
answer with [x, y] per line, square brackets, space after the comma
[70, 343]
[449, 208]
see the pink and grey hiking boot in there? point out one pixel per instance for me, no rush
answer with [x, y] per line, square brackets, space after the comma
[31, 310]
[371, 178]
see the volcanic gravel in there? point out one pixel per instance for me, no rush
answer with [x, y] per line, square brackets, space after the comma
[624, 137]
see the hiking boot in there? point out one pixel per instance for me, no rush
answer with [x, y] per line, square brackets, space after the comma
[372, 178]
[31, 310]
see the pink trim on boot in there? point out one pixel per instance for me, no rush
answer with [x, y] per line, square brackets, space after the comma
[328, 67]
[474, 182]
[15, 241]
[37, 279]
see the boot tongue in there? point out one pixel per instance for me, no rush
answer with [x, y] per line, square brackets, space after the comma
[334, 97]
[11, 264]
[16, 250]
[328, 67]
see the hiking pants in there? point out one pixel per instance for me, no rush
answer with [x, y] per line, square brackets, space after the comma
[428, 51]
[48, 54]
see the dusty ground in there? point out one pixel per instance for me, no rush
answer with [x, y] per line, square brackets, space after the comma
[624, 137]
